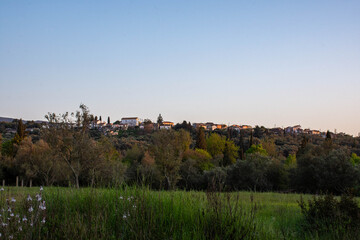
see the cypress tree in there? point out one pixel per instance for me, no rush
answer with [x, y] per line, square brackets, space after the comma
[328, 141]
[242, 147]
[100, 119]
[251, 139]
[21, 129]
[108, 120]
[160, 119]
[303, 145]
[328, 135]
[200, 139]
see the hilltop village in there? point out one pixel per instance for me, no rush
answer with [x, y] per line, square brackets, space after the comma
[136, 123]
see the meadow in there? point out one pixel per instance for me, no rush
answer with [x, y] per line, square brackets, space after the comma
[140, 213]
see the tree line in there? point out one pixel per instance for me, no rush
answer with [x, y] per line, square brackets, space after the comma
[69, 153]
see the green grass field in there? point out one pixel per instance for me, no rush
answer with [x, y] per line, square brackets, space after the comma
[139, 213]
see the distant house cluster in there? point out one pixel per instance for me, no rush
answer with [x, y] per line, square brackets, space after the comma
[129, 122]
[298, 130]
[147, 125]
[135, 122]
[209, 126]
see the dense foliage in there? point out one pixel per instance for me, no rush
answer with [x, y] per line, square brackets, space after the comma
[68, 151]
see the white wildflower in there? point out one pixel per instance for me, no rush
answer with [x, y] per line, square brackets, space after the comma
[124, 216]
[20, 228]
[31, 224]
[24, 219]
[121, 197]
[38, 196]
[31, 209]
[41, 188]
[43, 221]
[4, 224]
[11, 237]
[9, 209]
[42, 206]
[13, 199]
[134, 206]
[11, 214]
[2, 189]
[29, 198]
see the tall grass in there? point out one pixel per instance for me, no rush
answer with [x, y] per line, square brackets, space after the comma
[143, 214]
[139, 213]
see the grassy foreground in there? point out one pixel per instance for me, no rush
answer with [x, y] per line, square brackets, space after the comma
[132, 213]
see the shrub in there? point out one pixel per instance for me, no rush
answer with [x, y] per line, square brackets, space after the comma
[327, 215]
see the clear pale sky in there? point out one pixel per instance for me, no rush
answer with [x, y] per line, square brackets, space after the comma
[240, 62]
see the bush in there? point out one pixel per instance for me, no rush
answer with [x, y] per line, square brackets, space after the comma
[329, 216]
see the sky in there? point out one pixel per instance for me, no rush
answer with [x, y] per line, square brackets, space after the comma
[266, 63]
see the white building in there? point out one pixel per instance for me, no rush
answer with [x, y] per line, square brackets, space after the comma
[131, 121]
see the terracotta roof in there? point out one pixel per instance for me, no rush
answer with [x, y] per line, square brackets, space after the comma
[129, 118]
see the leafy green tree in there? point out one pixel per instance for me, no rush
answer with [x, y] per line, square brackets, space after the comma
[106, 169]
[249, 174]
[330, 171]
[201, 157]
[355, 159]
[230, 153]
[73, 144]
[200, 139]
[168, 148]
[291, 160]
[191, 176]
[38, 162]
[257, 172]
[270, 147]
[215, 144]
[8, 148]
[257, 149]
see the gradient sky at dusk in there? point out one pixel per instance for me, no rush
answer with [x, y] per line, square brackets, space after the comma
[240, 62]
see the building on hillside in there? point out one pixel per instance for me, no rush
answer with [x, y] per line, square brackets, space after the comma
[210, 126]
[124, 126]
[130, 121]
[166, 125]
[235, 127]
[294, 129]
[199, 125]
[313, 132]
[114, 133]
[245, 127]
[277, 131]
[221, 126]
